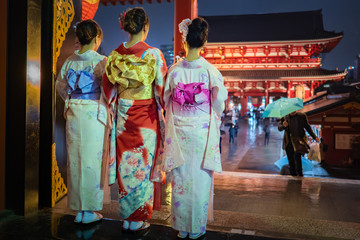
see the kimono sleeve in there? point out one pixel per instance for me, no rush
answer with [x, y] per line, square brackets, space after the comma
[159, 82]
[99, 69]
[218, 91]
[109, 89]
[61, 81]
[160, 76]
[167, 88]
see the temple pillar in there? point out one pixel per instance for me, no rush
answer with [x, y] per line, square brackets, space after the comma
[183, 9]
[289, 86]
[243, 102]
[266, 93]
[227, 105]
[3, 30]
[312, 88]
[23, 106]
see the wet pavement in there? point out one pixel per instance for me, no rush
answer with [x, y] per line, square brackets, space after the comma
[51, 225]
[250, 154]
[270, 206]
[251, 201]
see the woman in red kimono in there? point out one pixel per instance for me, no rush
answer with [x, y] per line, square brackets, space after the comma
[134, 80]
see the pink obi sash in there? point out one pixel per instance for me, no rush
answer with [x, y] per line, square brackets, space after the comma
[191, 94]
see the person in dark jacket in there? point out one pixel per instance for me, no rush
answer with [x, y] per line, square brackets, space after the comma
[267, 134]
[232, 131]
[294, 125]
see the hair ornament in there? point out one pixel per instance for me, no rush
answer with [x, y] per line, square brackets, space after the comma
[122, 20]
[75, 25]
[184, 27]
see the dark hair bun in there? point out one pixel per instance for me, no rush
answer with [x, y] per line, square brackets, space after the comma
[198, 33]
[87, 30]
[135, 19]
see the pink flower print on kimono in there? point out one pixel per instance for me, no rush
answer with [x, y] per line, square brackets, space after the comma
[178, 189]
[132, 168]
[140, 175]
[133, 162]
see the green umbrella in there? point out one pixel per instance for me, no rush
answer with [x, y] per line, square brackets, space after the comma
[282, 107]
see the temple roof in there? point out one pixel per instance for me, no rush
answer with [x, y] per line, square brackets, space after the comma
[276, 74]
[328, 101]
[306, 25]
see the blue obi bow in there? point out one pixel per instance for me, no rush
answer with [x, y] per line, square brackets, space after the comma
[81, 84]
[81, 80]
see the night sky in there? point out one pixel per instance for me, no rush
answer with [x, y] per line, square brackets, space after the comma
[338, 16]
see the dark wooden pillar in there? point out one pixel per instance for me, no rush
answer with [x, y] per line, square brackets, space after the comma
[47, 105]
[183, 9]
[3, 30]
[23, 106]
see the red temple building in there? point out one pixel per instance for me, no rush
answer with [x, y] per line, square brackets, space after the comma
[270, 55]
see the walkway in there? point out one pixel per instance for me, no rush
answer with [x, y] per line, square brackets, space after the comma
[249, 154]
[251, 201]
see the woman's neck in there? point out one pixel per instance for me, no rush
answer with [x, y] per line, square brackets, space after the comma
[193, 54]
[85, 48]
[134, 39]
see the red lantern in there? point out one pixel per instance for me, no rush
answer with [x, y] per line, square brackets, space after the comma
[267, 50]
[203, 52]
[242, 50]
[222, 50]
[89, 8]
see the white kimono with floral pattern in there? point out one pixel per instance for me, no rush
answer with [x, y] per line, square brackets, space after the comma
[86, 131]
[191, 150]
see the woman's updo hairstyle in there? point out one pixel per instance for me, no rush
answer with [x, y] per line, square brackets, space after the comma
[87, 30]
[197, 33]
[134, 20]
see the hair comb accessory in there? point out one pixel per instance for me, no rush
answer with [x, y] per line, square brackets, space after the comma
[122, 19]
[184, 27]
[75, 25]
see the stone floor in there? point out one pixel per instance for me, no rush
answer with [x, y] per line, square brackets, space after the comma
[250, 154]
[51, 225]
[251, 201]
[273, 206]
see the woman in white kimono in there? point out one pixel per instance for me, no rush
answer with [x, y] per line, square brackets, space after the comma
[194, 98]
[79, 84]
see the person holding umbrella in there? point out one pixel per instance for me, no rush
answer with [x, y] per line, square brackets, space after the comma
[294, 123]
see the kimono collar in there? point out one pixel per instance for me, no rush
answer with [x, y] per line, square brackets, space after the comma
[138, 49]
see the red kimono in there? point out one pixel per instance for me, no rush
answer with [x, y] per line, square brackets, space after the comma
[134, 80]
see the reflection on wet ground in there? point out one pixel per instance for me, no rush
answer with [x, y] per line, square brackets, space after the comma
[288, 196]
[250, 154]
[251, 201]
[269, 205]
[50, 225]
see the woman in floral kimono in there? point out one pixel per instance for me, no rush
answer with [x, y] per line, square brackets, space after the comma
[79, 84]
[134, 79]
[194, 97]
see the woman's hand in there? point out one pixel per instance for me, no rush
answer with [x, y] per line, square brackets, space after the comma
[285, 123]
